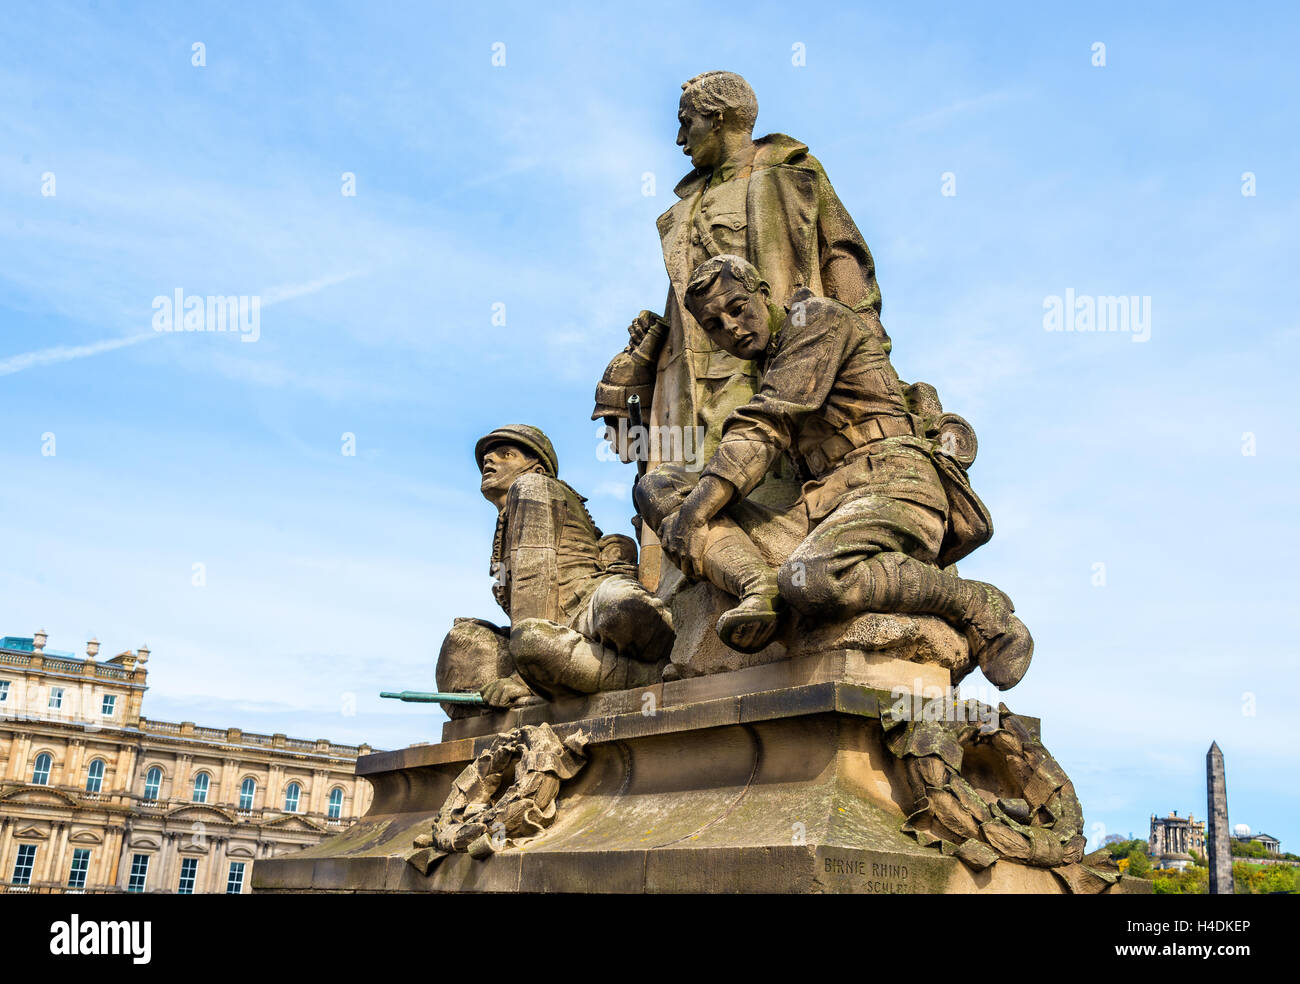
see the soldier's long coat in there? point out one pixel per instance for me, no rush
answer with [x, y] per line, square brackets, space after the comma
[797, 233]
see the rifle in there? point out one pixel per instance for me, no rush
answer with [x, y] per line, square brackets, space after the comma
[635, 429]
[419, 697]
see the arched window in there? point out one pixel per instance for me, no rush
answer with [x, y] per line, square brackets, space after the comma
[41, 770]
[247, 789]
[152, 783]
[201, 783]
[291, 795]
[336, 803]
[95, 776]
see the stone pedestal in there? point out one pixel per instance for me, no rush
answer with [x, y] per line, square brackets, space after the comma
[768, 779]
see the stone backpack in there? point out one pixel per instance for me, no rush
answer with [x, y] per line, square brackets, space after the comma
[954, 447]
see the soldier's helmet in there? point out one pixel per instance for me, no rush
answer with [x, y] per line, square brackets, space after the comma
[617, 548]
[531, 438]
[632, 371]
[623, 377]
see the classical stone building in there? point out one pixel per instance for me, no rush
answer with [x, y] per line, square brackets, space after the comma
[96, 798]
[1271, 844]
[1174, 838]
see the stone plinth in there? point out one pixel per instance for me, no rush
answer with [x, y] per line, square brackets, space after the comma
[769, 779]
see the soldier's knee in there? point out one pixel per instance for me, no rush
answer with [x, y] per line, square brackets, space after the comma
[542, 650]
[631, 620]
[614, 617]
[530, 637]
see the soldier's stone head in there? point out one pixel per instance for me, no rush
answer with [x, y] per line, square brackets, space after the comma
[729, 298]
[716, 113]
[507, 453]
[617, 550]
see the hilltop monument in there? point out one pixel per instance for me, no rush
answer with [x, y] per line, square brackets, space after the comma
[760, 694]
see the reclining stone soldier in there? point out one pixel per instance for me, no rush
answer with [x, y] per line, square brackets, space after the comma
[884, 510]
[580, 622]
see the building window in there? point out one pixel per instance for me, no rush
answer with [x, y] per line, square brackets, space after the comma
[235, 883]
[139, 873]
[247, 790]
[4, 691]
[189, 873]
[291, 798]
[95, 776]
[336, 803]
[109, 705]
[41, 770]
[80, 865]
[201, 783]
[152, 783]
[56, 698]
[24, 864]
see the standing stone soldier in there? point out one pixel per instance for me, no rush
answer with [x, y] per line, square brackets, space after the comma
[580, 622]
[768, 200]
[878, 500]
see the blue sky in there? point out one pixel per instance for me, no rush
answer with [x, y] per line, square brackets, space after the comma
[330, 577]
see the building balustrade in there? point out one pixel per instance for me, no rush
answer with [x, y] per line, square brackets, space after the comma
[52, 888]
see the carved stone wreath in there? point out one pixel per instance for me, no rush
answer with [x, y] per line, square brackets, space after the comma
[480, 817]
[985, 788]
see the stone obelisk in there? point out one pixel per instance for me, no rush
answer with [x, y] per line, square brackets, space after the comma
[1220, 846]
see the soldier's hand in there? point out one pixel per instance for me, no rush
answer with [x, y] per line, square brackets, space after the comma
[640, 325]
[504, 692]
[682, 539]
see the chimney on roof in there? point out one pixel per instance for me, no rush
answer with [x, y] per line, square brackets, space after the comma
[38, 640]
[92, 648]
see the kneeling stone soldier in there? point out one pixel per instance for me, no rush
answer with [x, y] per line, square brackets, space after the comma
[877, 511]
[580, 622]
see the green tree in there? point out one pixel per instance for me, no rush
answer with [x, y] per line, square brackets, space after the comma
[1260, 879]
[1123, 848]
[1139, 866]
[1193, 881]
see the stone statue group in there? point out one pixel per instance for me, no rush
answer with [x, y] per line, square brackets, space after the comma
[822, 486]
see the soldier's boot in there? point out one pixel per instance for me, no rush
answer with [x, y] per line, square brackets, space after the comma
[1000, 642]
[632, 621]
[734, 564]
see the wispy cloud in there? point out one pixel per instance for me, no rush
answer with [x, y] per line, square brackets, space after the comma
[288, 292]
[66, 353]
